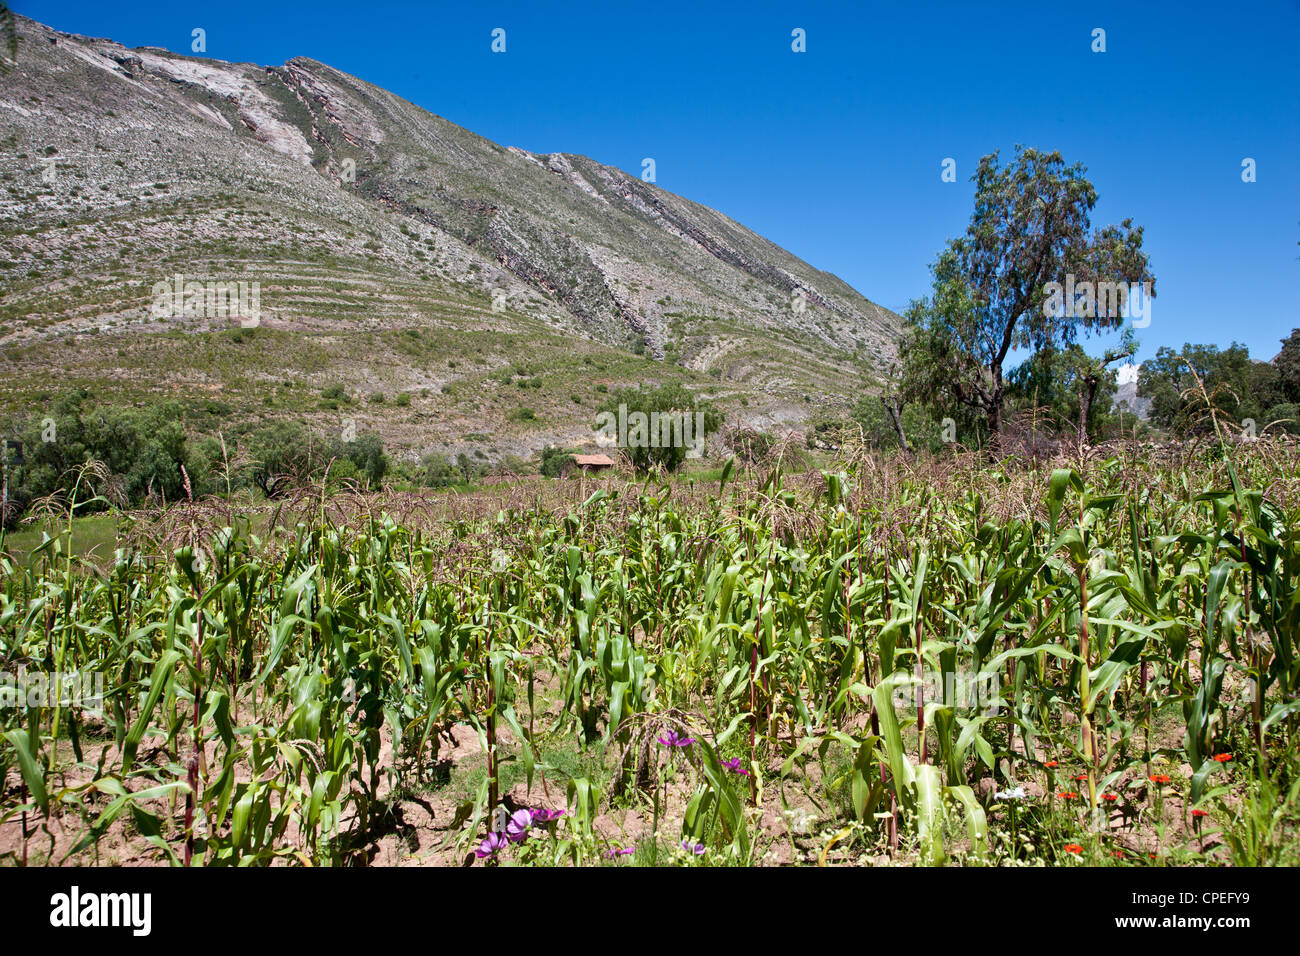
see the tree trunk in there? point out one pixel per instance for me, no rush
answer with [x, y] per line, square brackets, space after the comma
[895, 408]
[1082, 426]
[1087, 395]
[994, 416]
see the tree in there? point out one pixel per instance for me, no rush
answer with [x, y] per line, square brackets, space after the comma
[1071, 385]
[885, 422]
[554, 460]
[1046, 384]
[1000, 286]
[1287, 363]
[893, 402]
[468, 469]
[366, 452]
[652, 424]
[1239, 387]
[1093, 373]
[282, 453]
[436, 471]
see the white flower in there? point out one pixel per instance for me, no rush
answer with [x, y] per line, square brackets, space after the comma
[1017, 794]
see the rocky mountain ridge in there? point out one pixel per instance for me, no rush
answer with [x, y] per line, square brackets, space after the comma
[395, 252]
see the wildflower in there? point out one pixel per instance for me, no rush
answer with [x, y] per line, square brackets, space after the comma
[1051, 765]
[1111, 797]
[1160, 778]
[1073, 848]
[541, 815]
[517, 828]
[1017, 794]
[697, 849]
[1068, 795]
[1222, 758]
[1119, 854]
[674, 739]
[1080, 776]
[1200, 813]
[494, 842]
[734, 766]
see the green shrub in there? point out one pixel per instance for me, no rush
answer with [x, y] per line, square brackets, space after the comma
[554, 460]
[436, 471]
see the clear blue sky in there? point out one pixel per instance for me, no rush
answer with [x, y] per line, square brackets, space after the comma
[835, 153]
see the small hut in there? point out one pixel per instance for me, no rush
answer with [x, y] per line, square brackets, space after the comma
[589, 463]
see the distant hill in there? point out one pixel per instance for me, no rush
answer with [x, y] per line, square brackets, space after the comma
[381, 237]
[1127, 396]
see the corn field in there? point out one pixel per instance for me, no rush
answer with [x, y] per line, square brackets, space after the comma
[765, 668]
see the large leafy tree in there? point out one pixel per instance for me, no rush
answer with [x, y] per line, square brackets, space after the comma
[670, 400]
[1072, 386]
[285, 453]
[282, 453]
[1031, 226]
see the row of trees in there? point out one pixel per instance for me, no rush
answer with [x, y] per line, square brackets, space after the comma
[169, 451]
[1054, 386]
[1244, 390]
[159, 452]
[1033, 274]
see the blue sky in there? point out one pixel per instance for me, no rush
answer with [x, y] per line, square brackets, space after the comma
[836, 153]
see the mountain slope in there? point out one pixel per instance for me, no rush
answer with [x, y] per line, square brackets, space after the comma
[394, 252]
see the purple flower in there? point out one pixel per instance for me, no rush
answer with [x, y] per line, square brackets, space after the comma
[517, 828]
[541, 815]
[617, 851]
[674, 739]
[734, 766]
[494, 842]
[697, 849]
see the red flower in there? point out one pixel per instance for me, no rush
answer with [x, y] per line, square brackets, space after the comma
[1160, 778]
[1073, 848]
[1119, 853]
[1080, 776]
[1068, 795]
[1223, 758]
[1051, 765]
[1110, 796]
[1199, 813]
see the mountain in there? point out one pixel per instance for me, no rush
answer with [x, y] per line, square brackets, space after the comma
[502, 292]
[1126, 394]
